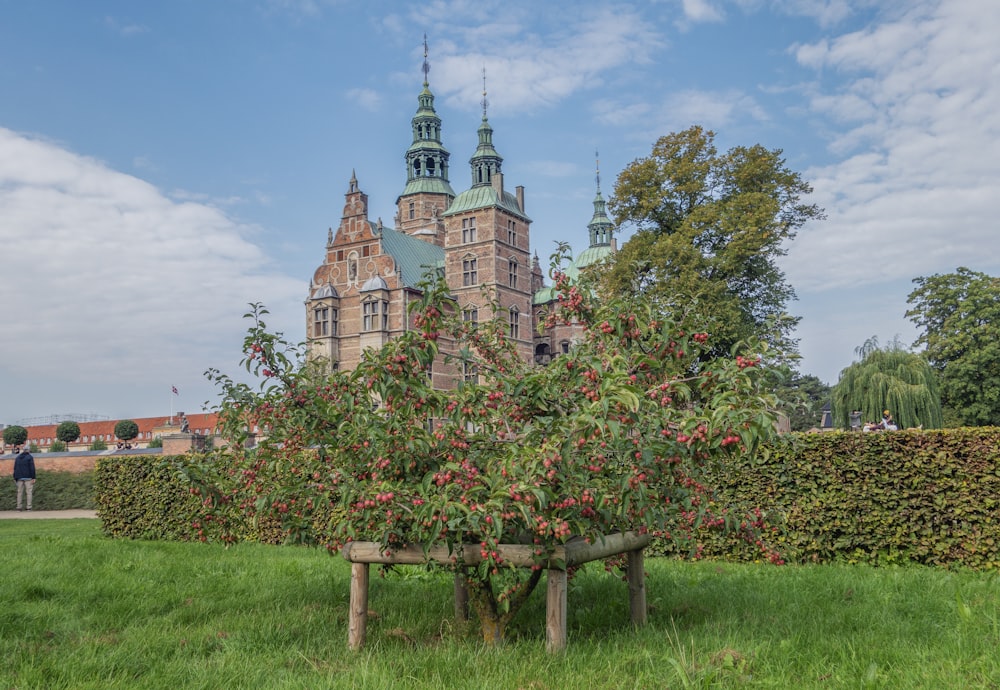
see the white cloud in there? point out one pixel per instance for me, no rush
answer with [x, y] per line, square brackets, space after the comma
[825, 12]
[701, 11]
[126, 29]
[679, 110]
[525, 68]
[368, 99]
[921, 152]
[108, 280]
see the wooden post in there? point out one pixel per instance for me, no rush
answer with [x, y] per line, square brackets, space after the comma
[555, 611]
[637, 587]
[357, 623]
[461, 597]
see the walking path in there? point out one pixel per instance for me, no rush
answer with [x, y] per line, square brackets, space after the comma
[46, 514]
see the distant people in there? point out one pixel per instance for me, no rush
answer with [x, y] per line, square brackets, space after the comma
[887, 422]
[24, 477]
[856, 420]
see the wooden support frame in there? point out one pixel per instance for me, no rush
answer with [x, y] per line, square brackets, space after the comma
[576, 552]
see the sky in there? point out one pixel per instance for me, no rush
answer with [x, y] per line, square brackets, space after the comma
[163, 165]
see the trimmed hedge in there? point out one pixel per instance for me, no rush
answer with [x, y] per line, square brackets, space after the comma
[879, 498]
[53, 491]
[145, 497]
[150, 497]
[927, 497]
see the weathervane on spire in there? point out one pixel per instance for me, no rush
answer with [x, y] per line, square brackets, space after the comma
[485, 102]
[597, 159]
[427, 66]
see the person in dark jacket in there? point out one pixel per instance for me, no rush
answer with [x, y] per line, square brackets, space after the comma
[24, 475]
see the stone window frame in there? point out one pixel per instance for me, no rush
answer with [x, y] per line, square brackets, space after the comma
[469, 230]
[470, 270]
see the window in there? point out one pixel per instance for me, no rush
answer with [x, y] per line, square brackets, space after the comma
[470, 315]
[413, 210]
[512, 273]
[515, 328]
[321, 321]
[468, 230]
[511, 232]
[370, 312]
[369, 315]
[470, 372]
[470, 272]
[366, 250]
[564, 346]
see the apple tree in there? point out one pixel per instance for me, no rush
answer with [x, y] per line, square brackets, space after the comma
[616, 435]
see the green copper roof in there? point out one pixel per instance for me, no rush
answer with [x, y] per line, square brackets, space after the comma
[432, 185]
[593, 255]
[485, 197]
[427, 145]
[545, 295]
[413, 257]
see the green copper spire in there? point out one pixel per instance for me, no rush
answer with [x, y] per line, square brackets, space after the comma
[427, 158]
[600, 226]
[485, 161]
[601, 229]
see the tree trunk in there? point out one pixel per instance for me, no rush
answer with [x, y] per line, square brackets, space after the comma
[493, 630]
[493, 623]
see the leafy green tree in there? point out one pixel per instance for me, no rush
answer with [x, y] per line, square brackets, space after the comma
[126, 430]
[801, 398]
[709, 230]
[67, 432]
[156, 443]
[960, 316]
[98, 444]
[890, 378]
[614, 436]
[15, 435]
[57, 447]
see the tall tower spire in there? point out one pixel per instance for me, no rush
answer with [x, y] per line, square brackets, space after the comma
[427, 66]
[601, 228]
[484, 102]
[597, 159]
[427, 158]
[485, 161]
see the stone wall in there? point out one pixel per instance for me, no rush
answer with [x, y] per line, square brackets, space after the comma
[75, 463]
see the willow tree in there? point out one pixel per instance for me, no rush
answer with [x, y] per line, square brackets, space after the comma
[890, 378]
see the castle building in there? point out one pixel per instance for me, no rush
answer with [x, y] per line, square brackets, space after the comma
[478, 239]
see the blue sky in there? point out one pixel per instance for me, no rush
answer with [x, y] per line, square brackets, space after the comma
[164, 164]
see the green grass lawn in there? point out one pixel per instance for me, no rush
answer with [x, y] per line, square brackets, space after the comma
[78, 610]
